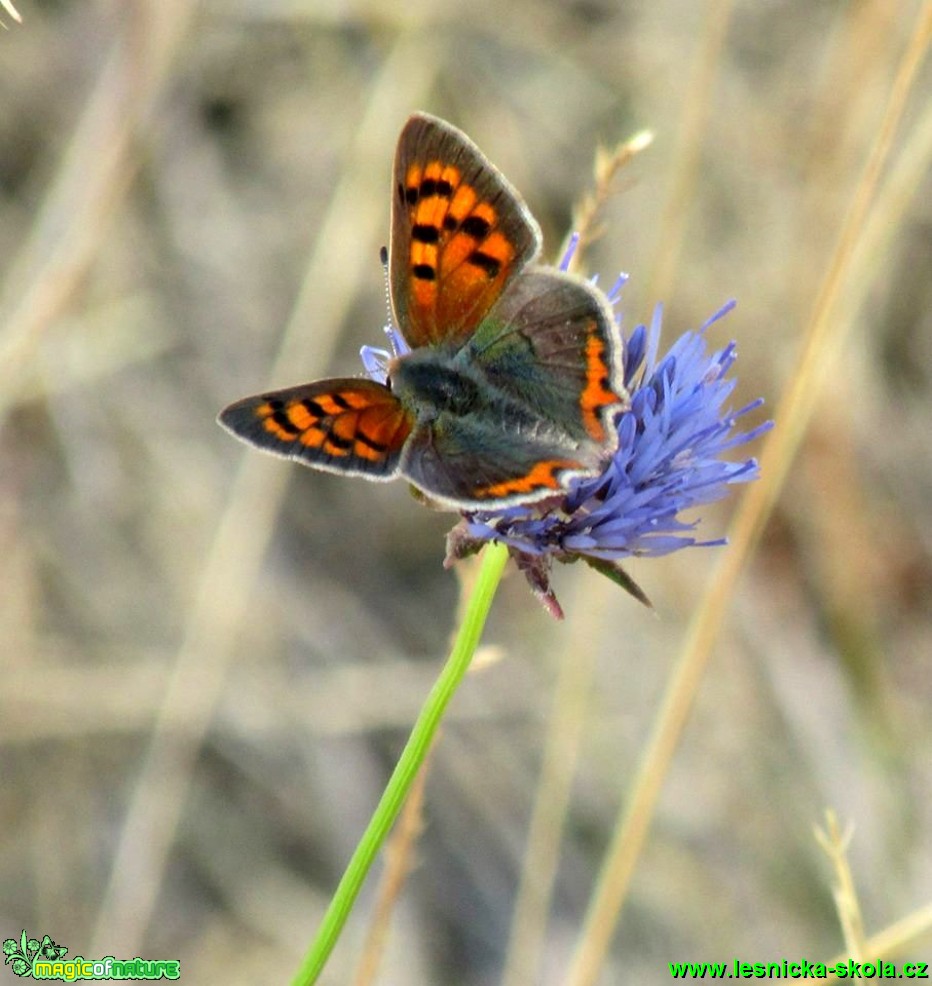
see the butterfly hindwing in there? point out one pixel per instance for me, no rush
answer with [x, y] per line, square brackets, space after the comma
[351, 425]
[460, 233]
[468, 464]
[551, 341]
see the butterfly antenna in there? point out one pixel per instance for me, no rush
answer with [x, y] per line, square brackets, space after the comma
[395, 338]
[383, 257]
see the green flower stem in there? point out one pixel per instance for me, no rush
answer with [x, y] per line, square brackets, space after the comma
[412, 757]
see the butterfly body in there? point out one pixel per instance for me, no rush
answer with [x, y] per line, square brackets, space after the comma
[513, 381]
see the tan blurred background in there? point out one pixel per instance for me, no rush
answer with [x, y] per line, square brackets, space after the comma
[210, 659]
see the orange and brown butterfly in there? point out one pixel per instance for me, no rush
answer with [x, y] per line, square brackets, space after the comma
[513, 380]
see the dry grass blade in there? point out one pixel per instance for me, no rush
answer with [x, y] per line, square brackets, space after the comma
[608, 164]
[825, 332]
[12, 11]
[893, 940]
[835, 843]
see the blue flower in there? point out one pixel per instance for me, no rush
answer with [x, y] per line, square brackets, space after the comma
[670, 458]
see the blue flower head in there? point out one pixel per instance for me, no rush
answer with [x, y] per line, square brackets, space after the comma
[672, 439]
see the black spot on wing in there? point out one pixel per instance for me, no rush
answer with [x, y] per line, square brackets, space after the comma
[364, 439]
[282, 420]
[476, 227]
[435, 186]
[485, 262]
[338, 442]
[425, 233]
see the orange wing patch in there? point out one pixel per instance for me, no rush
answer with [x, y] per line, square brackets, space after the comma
[598, 392]
[542, 476]
[342, 424]
[380, 429]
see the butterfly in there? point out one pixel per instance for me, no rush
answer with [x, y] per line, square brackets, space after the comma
[513, 380]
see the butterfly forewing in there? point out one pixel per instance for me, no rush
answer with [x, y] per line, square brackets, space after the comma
[351, 426]
[460, 233]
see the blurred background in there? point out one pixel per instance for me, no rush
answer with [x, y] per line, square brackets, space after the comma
[211, 659]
